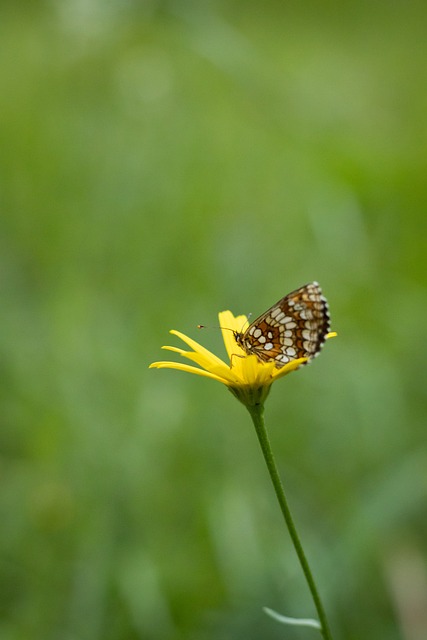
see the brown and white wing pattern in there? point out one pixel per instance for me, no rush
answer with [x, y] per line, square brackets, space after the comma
[295, 327]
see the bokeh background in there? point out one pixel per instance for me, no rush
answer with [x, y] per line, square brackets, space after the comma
[160, 162]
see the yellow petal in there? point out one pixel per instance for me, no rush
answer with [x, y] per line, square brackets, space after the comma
[219, 368]
[290, 366]
[185, 367]
[197, 347]
[229, 324]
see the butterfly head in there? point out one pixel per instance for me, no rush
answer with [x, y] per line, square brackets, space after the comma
[238, 336]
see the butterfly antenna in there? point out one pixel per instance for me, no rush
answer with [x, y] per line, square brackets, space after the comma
[246, 323]
[203, 326]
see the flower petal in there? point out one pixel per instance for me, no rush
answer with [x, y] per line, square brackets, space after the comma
[197, 347]
[230, 323]
[290, 366]
[219, 369]
[185, 367]
[263, 374]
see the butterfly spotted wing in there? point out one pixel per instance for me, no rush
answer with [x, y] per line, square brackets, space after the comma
[295, 327]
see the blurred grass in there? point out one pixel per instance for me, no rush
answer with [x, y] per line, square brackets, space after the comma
[161, 162]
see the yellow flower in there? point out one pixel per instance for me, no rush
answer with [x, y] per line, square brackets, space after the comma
[245, 375]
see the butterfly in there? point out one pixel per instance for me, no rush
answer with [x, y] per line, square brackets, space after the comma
[295, 327]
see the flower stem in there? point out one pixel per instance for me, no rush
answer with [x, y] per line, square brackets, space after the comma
[257, 414]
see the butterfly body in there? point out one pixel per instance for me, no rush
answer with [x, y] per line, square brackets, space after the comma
[295, 327]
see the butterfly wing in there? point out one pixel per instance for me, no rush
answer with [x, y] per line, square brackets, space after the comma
[295, 327]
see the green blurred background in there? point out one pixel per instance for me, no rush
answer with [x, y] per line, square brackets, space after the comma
[160, 162]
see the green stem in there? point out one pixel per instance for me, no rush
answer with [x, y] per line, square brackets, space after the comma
[257, 414]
